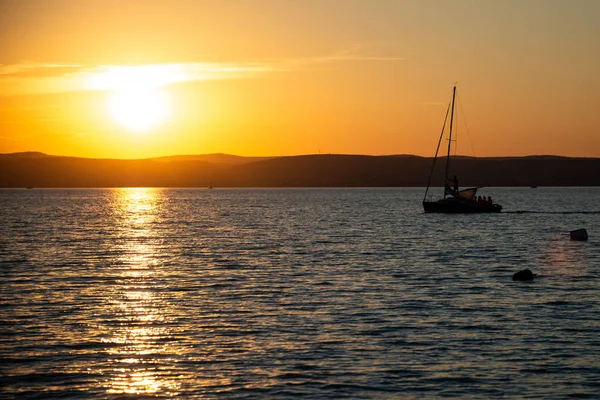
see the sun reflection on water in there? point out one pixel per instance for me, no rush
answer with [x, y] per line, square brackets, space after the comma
[139, 338]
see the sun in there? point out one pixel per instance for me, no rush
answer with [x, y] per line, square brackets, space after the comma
[139, 109]
[138, 99]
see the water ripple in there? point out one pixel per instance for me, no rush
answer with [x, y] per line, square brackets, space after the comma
[320, 293]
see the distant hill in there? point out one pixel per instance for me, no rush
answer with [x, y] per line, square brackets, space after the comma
[222, 170]
[27, 155]
[216, 158]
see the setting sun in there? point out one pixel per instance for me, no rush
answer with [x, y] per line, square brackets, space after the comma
[139, 109]
[138, 102]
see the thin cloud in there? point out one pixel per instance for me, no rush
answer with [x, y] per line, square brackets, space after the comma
[36, 70]
[118, 77]
[352, 53]
[55, 78]
[36, 78]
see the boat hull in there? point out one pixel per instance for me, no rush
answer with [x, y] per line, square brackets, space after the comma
[453, 206]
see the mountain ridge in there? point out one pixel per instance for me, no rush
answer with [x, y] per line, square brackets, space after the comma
[34, 169]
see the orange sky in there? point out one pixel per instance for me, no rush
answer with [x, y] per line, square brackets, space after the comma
[134, 79]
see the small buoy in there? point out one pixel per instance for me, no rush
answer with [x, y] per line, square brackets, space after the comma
[579, 234]
[524, 275]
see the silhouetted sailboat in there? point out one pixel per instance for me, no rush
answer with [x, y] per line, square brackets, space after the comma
[455, 200]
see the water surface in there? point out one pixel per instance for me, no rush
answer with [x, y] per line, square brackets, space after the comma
[323, 293]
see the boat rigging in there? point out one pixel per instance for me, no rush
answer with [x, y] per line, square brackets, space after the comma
[455, 200]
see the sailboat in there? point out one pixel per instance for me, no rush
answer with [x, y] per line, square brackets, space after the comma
[454, 199]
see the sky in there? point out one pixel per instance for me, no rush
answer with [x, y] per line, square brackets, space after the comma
[137, 79]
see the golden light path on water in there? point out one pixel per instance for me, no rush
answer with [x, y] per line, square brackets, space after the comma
[159, 339]
[140, 339]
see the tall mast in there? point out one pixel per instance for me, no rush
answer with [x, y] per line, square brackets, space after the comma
[449, 141]
[437, 150]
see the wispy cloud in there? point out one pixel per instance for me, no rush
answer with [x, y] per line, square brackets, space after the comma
[31, 78]
[119, 77]
[353, 53]
[53, 78]
[30, 69]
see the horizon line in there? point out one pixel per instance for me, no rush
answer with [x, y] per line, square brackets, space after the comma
[32, 152]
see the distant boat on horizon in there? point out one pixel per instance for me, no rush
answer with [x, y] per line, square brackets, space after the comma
[454, 200]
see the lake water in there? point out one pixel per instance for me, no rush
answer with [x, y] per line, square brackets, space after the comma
[274, 293]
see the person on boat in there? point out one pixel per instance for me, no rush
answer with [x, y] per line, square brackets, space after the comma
[479, 200]
[490, 202]
[455, 180]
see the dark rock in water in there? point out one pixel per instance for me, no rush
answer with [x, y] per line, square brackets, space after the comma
[524, 275]
[579, 234]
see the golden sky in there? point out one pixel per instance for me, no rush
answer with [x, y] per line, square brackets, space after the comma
[136, 79]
